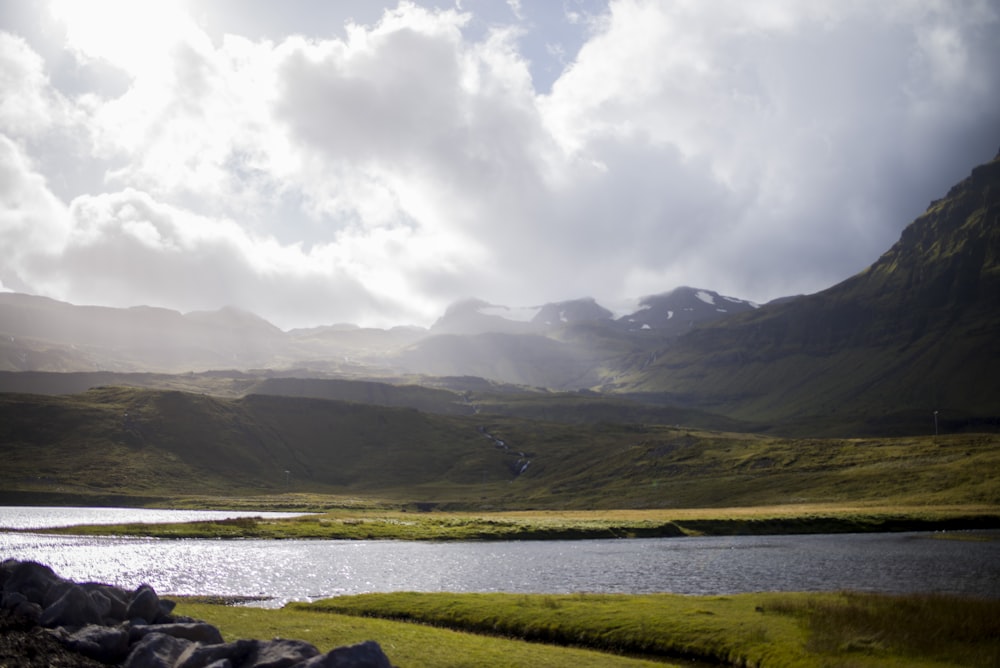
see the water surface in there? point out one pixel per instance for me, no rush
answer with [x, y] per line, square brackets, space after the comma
[38, 517]
[307, 569]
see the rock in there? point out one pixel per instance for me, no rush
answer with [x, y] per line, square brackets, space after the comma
[57, 591]
[29, 578]
[104, 643]
[138, 630]
[145, 605]
[280, 653]
[203, 656]
[201, 632]
[30, 611]
[11, 599]
[74, 608]
[156, 650]
[367, 654]
[118, 600]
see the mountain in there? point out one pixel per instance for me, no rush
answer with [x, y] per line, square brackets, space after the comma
[677, 311]
[475, 316]
[44, 334]
[912, 339]
[563, 345]
[567, 312]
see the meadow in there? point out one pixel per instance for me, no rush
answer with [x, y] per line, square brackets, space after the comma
[767, 629]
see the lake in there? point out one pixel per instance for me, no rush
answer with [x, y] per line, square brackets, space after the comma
[309, 569]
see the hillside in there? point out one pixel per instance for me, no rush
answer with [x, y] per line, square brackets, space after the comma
[116, 443]
[917, 332]
[907, 346]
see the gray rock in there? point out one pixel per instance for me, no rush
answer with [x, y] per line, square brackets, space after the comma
[203, 656]
[29, 578]
[201, 632]
[280, 653]
[29, 610]
[166, 607]
[367, 654]
[73, 608]
[57, 591]
[107, 644]
[145, 604]
[156, 650]
[118, 600]
[11, 599]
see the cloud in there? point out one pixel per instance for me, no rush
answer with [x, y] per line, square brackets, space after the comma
[807, 115]
[180, 260]
[33, 222]
[377, 173]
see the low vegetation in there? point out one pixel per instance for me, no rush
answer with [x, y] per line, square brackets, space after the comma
[113, 445]
[373, 524]
[831, 629]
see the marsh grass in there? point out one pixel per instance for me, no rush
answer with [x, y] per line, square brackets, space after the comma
[410, 645]
[725, 630]
[375, 524]
[956, 630]
[827, 629]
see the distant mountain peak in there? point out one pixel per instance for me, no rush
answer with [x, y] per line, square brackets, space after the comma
[680, 309]
[585, 309]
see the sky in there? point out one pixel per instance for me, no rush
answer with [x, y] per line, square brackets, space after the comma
[355, 161]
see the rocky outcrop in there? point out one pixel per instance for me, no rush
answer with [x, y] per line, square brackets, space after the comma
[138, 628]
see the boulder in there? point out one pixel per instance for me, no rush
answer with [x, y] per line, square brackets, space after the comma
[280, 653]
[118, 600]
[30, 611]
[74, 608]
[108, 644]
[156, 650]
[145, 605]
[11, 599]
[200, 632]
[29, 578]
[367, 654]
[203, 656]
[138, 630]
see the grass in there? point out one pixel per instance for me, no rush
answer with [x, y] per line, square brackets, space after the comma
[828, 629]
[373, 524]
[110, 444]
[410, 645]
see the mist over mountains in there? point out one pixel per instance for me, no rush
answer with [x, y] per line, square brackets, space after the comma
[42, 334]
[915, 334]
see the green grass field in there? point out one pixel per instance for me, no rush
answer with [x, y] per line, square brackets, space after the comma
[369, 524]
[835, 629]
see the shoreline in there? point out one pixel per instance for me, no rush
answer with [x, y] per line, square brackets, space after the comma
[373, 524]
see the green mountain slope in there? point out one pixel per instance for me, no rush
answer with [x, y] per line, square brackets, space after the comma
[917, 332]
[150, 443]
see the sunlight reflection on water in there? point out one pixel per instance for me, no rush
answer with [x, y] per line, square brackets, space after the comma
[308, 569]
[38, 517]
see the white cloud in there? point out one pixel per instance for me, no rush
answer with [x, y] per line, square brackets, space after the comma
[384, 170]
[33, 222]
[27, 107]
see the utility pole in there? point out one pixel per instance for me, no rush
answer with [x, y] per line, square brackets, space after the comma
[935, 423]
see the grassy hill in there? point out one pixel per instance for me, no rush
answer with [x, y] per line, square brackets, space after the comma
[127, 441]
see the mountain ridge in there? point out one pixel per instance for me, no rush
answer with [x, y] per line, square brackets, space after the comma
[915, 331]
